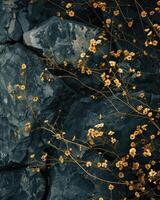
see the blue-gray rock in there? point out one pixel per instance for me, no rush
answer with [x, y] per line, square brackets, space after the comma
[21, 184]
[69, 182]
[63, 39]
[10, 28]
[24, 100]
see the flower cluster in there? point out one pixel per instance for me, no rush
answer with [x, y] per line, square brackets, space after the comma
[93, 45]
[100, 4]
[139, 130]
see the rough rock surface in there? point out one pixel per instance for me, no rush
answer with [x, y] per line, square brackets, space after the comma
[10, 28]
[18, 106]
[63, 39]
[21, 184]
[29, 31]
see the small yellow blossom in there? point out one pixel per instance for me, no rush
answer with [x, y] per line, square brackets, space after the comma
[147, 166]
[27, 127]
[22, 87]
[108, 21]
[83, 54]
[71, 13]
[121, 175]
[61, 159]
[112, 63]
[137, 194]
[147, 152]
[88, 164]
[107, 82]
[143, 13]
[23, 66]
[132, 152]
[44, 157]
[135, 166]
[67, 153]
[145, 111]
[101, 125]
[116, 12]
[35, 99]
[32, 156]
[132, 136]
[152, 173]
[69, 5]
[117, 83]
[111, 187]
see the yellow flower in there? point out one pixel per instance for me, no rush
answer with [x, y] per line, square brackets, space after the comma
[88, 71]
[147, 152]
[120, 70]
[71, 13]
[137, 194]
[135, 166]
[111, 187]
[132, 136]
[44, 157]
[143, 13]
[93, 42]
[130, 23]
[88, 164]
[132, 152]
[35, 99]
[99, 165]
[112, 63]
[145, 111]
[121, 175]
[100, 198]
[124, 93]
[131, 187]
[108, 21]
[32, 156]
[95, 5]
[139, 108]
[152, 137]
[125, 164]
[23, 66]
[147, 166]
[67, 153]
[104, 164]
[83, 54]
[27, 127]
[117, 83]
[138, 74]
[69, 5]
[152, 173]
[19, 97]
[150, 114]
[133, 144]
[36, 169]
[101, 125]
[144, 127]
[155, 43]
[92, 133]
[61, 159]
[142, 95]
[116, 12]
[93, 49]
[111, 133]
[113, 140]
[22, 87]
[107, 82]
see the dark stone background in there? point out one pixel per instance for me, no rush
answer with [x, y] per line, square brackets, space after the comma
[28, 31]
